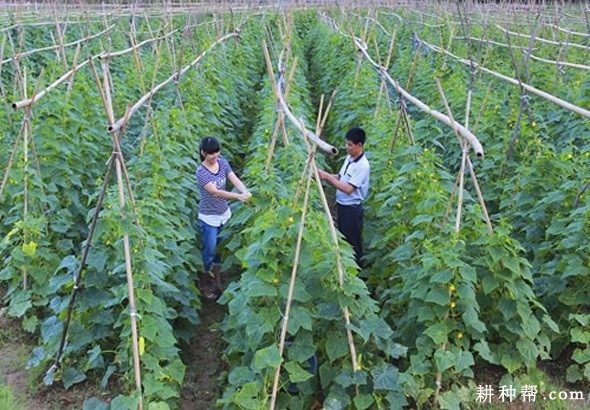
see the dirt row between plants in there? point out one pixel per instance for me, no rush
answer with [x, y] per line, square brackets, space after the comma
[205, 369]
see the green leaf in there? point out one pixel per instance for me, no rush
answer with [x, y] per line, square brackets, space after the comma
[37, 356]
[376, 326]
[267, 357]
[396, 400]
[336, 402]
[510, 362]
[327, 374]
[29, 249]
[575, 267]
[395, 350]
[160, 405]
[438, 295]
[531, 326]
[296, 373]
[471, 319]
[444, 277]
[581, 356]
[107, 375]
[385, 377]
[464, 360]
[95, 359]
[345, 378]
[513, 264]
[450, 400]
[363, 401]
[30, 323]
[489, 283]
[444, 359]
[240, 375]
[584, 320]
[299, 318]
[51, 328]
[302, 349]
[579, 335]
[549, 322]
[97, 259]
[528, 350]
[20, 302]
[258, 288]
[71, 376]
[336, 346]
[484, 351]
[95, 404]
[247, 396]
[573, 373]
[299, 292]
[437, 332]
[69, 263]
[124, 403]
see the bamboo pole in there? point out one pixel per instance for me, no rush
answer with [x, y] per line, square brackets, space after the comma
[12, 156]
[403, 114]
[54, 47]
[277, 88]
[280, 122]
[472, 139]
[560, 63]
[339, 266]
[569, 31]
[459, 183]
[292, 285]
[126, 247]
[558, 101]
[60, 37]
[492, 42]
[383, 86]
[26, 164]
[116, 126]
[313, 137]
[81, 267]
[540, 39]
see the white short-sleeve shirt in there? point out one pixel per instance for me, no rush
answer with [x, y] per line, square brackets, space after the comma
[355, 172]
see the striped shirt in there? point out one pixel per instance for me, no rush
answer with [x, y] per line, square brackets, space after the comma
[213, 210]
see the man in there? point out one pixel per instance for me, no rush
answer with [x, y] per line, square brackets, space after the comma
[352, 184]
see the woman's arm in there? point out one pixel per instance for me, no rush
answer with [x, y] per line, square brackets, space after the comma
[219, 193]
[237, 182]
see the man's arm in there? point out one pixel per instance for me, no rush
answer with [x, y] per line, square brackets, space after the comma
[334, 179]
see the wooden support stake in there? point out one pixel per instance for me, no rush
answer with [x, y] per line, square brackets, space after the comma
[291, 286]
[126, 247]
[275, 90]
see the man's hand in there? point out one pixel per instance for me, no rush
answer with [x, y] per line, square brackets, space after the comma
[325, 176]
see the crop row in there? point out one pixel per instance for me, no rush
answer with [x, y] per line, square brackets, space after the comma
[462, 298]
[45, 226]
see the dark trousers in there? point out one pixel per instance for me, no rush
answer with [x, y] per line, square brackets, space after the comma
[350, 223]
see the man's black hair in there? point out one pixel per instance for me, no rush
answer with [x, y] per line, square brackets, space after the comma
[209, 145]
[356, 135]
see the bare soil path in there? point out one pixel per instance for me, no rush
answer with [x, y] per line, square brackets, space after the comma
[203, 359]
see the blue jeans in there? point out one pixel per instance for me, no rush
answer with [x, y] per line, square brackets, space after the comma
[210, 236]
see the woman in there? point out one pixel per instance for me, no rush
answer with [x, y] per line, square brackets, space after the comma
[214, 210]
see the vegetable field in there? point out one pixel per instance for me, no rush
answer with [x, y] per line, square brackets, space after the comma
[477, 264]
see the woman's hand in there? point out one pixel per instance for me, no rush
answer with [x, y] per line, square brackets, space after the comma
[244, 196]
